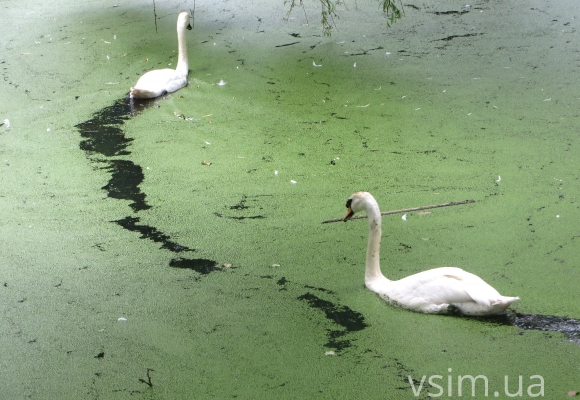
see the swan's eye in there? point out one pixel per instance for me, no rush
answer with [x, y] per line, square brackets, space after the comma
[348, 203]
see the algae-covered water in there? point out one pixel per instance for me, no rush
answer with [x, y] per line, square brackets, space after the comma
[177, 251]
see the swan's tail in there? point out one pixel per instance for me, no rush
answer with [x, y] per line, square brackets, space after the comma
[496, 306]
[509, 300]
[141, 94]
[500, 305]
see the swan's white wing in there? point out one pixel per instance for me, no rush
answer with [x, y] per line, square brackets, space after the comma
[479, 290]
[158, 82]
[446, 285]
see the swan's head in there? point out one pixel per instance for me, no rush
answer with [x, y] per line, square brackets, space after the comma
[183, 21]
[358, 201]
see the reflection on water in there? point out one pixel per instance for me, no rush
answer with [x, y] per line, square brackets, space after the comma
[104, 141]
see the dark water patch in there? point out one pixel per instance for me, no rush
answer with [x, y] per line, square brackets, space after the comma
[149, 232]
[103, 134]
[406, 375]
[200, 265]
[110, 141]
[282, 282]
[341, 315]
[323, 290]
[124, 183]
[348, 319]
[243, 206]
[547, 323]
[568, 326]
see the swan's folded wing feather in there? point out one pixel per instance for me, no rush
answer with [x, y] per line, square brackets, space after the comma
[435, 286]
[446, 285]
[158, 82]
[477, 289]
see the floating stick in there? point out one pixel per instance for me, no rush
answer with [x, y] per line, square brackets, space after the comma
[405, 210]
[155, 16]
[148, 381]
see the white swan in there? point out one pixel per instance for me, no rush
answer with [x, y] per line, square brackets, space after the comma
[161, 81]
[432, 291]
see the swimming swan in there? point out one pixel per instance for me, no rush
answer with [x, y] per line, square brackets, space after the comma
[161, 81]
[432, 291]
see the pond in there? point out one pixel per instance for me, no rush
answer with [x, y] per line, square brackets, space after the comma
[175, 248]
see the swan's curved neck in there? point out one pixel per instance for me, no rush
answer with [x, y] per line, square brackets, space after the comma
[182, 63]
[373, 267]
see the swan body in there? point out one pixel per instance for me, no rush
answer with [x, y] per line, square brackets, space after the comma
[436, 291]
[161, 81]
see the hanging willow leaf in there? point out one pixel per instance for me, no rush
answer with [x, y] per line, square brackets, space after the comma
[328, 12]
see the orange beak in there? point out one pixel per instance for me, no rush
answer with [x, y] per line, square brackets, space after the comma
[348, 215]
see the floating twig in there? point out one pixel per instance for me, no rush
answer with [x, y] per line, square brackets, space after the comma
[406, 210]
[148, 381]
[287, 44]
[155, 16]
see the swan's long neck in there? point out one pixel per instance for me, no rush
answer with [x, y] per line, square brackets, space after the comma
[182, 63]
[373, 268]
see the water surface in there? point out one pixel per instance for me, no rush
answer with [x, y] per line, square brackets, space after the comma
[198, 220]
